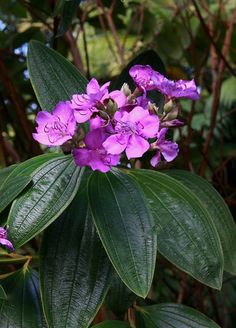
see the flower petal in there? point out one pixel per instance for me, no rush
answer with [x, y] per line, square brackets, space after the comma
[116, 143]
[156, 159]
[136, 147]
[118, 97]
[6, 243]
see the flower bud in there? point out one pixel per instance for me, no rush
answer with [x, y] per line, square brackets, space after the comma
[126, 90]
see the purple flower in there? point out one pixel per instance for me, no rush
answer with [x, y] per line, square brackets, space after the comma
[131, 131]
[85, 105]
[94, 154]
[172, 123]
[176, 89]
[148, 79]
[166, 148]
[57, 127]
[4, 241]
[143, 77]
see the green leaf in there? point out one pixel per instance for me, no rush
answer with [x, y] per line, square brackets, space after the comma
[5, 172]
[75, 272]
[15, 178]
[55, 184]
[119, 297]
[11, 188]
[186, 235]
[168, 315]
[52, 76]
[3, 295]
[112, 324]
[22, 309]
[124, 225]
[218, 210]
[68, 12]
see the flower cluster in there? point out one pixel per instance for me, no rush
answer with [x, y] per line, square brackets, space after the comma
[118, 121]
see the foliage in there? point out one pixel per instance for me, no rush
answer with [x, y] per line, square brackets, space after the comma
[123, 248]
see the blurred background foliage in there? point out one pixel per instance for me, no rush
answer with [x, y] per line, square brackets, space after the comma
[195, 39]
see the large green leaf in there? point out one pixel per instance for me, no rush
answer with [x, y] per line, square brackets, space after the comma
[22, 308]
[216, 207]
[124, 225]
[112, 324]
[54, 186]
[5, 172]
[168, 315]
[119, 297]
[15, 178]
[52, 76]
[186, 235]
[11, 188]
[75, 272]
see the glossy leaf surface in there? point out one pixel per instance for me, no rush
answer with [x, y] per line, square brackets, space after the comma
[168, 315]
[75, 272]
[22, 309]
[124, 225]
[186, 235]
[218, 210]
[54, 185]
[56, 80]
[15, 178]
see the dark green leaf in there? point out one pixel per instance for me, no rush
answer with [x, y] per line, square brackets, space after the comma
[52, 76]
[124, 225]
[11, 188]
[218, 210]
[75, 271]
[68, 12]
[119, 297]
[112, 324]
[22, 309]
[15, 178]
[55, 184]
[3, 295]
[186, 235]
[5, 172]
[168, 315]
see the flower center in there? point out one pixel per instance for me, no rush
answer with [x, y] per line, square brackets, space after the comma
[55, 130]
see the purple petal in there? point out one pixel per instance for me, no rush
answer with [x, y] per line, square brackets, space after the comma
[96, 122]
[81, 156]
[64, 111]
[95, 138]
[138, 114]
[136, 147]
[97, 163]
[3, 233]
[142, 76]
[156, 159]
[118, 97]
[6, 243]
[161, 135]
[116, 143]
[172, 123]
[92, 87]
[150, 126]
[82, 116]
[169, 150]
